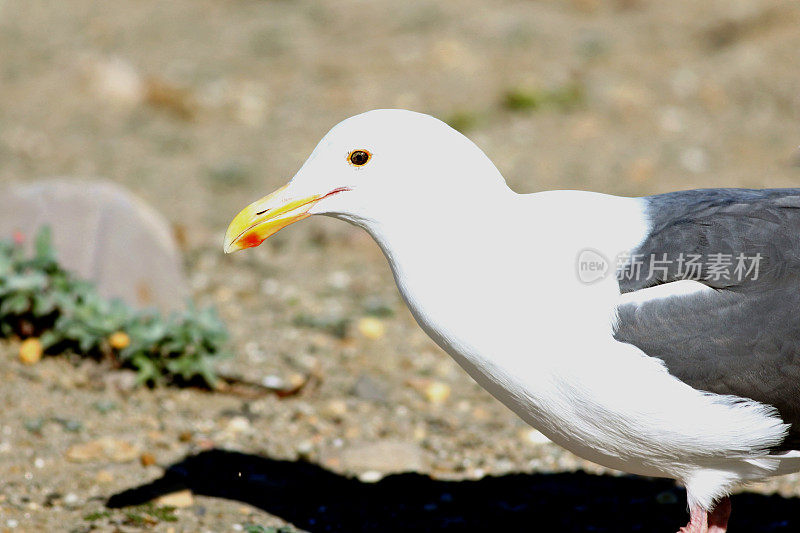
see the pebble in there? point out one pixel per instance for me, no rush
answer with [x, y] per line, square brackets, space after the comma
[337, 408]
[38, 462]
[368, 388]
[106, 448]
[371, 327]
[305, 448]
[30, 351]
[104, 476]
[12, 523]
[273, 382]
[120, 380]
[370, 476]
[179, 499]
[147, 459]
[71, 499]
[115, 79]
[238, 424]
[387, 456]
[533, 436]
[437, 392]
[339, 280]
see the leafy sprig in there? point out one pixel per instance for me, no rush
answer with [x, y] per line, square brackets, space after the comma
[39, 298]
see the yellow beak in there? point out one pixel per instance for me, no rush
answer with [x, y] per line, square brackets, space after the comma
[261, 219]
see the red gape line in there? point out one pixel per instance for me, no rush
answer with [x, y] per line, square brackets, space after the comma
[716, 521]
[335, 191]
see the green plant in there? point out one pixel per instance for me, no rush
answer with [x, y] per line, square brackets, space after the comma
[149, 514]
[257, 528]
[39, 298]
[337, 326]
[463, 121]
[145, 515]
[564, 98]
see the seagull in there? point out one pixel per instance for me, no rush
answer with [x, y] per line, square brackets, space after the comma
[657, 335]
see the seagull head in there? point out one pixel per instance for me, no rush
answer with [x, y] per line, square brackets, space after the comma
[383, 167]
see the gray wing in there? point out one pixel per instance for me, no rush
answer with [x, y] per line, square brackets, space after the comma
[744, 337]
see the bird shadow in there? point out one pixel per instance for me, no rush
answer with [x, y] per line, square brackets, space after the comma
[315, 499]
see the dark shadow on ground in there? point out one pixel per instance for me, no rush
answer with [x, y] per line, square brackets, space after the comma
[317, 499]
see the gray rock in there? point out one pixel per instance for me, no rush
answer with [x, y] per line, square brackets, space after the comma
[104, 234]
[368, 388]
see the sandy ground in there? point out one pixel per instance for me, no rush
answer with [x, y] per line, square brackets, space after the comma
[201, 106]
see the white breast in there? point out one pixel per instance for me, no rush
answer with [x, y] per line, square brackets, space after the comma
[510, 309]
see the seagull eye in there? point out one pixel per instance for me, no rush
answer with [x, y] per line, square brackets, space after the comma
[359, 157]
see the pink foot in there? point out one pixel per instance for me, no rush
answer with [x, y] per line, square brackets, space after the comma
[715, 521]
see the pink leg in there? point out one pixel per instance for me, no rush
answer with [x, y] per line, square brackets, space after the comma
[698, 521]
[718, 518]
[716, 521]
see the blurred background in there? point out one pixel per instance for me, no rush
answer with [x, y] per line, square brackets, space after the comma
[199, 107]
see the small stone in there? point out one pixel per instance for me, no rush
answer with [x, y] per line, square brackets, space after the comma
[120, 380]
[296, 381]
[105, 448]
[71, 500]
[104, 476]
[371, 327]
[339, 280]
[104, 406]
[38, 462]
[34, 425]
[11, 523]
[386, 457]
[70, 426]
[337, 408]
[185, 436]
[368, 388]
[30, 351]
[533, 436]
[179, 499]
[378, 307]
[238, 424]
[437, 392]
[305, 449]
[370, 476]
[273, 382]
[115, 79]
[147, 459]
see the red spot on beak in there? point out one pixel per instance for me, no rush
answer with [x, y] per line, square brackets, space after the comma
[251, 239]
